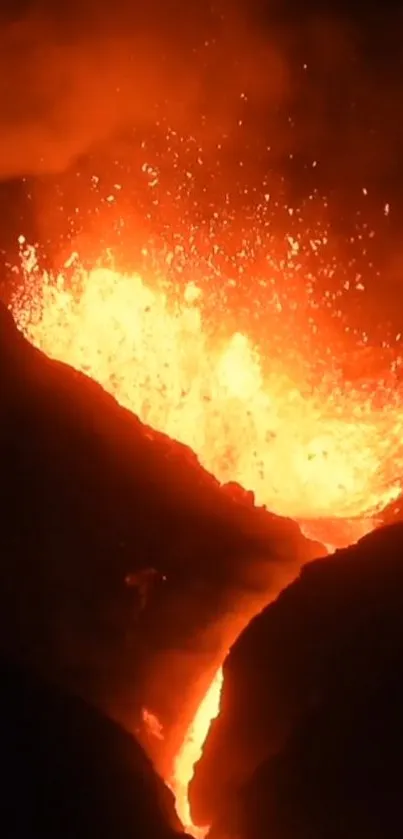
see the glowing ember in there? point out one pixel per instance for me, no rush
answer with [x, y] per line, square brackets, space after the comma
[152, 724]
[191, 751]
[305, 453]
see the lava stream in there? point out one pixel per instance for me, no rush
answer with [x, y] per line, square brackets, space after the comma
[191, 751]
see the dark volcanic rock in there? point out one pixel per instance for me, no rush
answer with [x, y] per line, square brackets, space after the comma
[339, 775]
[69, 772]
[312, 695]
[89, 498]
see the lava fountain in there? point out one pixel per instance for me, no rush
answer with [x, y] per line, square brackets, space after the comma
[306, 452]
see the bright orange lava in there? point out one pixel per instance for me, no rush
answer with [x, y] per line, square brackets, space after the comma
[306, 454]
[191, 751]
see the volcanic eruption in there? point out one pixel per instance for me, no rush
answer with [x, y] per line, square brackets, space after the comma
[305, 449]
[325, 455]
[266, 403]
[208, 300]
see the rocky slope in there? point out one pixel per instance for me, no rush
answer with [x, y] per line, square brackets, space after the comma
[338, 776]
[69, 772]
[90, 497]
[310, 720]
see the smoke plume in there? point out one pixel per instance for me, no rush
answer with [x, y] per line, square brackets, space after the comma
[70, 80]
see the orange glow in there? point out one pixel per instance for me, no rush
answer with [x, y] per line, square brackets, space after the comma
[152, 724]
[309, 454]
[191, 751]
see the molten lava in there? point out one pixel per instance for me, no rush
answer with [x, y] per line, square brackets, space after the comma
[331, 451]
[191, 751]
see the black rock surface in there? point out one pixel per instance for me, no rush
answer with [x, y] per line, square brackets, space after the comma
[68, 772]
[339, 774]
[310, 714]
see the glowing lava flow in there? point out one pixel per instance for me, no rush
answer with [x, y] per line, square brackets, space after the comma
[306, 453]
[191, 751]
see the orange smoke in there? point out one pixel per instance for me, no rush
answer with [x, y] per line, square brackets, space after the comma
[53, 64]
[305, 453]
